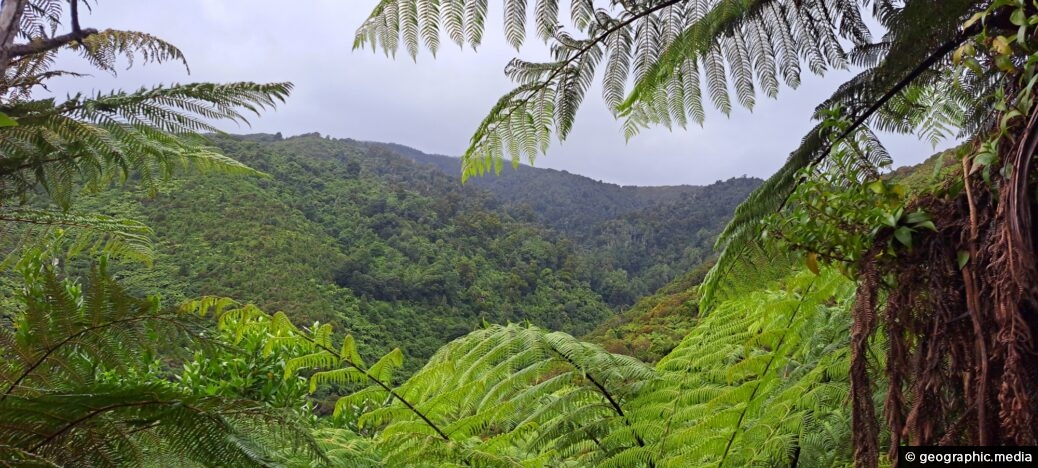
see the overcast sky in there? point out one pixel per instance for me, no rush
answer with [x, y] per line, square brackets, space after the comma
[435, 104]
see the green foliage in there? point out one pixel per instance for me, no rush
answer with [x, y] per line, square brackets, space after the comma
[656, 324]
[59, 148]
[653, 234]
[80, 387]
[91, 233]
[247, 366]
[80, 376]
[907, 86]
[670, 50]
[352, 235]
[762, 380]
[837, 212]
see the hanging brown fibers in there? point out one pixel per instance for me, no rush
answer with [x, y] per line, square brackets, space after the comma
[961, 359]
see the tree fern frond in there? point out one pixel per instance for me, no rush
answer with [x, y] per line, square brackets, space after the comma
[104, 48]
[663, 45]
[93, 141]
[742, 235]
[99, 234]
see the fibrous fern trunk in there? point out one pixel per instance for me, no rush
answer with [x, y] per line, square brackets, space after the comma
[961, 315]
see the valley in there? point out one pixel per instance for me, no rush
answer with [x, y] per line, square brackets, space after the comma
[386, 243]
[182, 284]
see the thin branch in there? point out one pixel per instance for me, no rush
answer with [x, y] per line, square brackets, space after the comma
[10, 17]
[74, 12]
[50, 43]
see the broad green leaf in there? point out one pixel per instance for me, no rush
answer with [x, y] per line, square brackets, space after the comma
[904, 235]
[917, 217]
[962, 257]
[1018, 17]
[6, 121]
[927, 224]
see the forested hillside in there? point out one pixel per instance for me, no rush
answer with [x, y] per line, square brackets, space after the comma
[359, 237]
[403, 254]
[647, 235]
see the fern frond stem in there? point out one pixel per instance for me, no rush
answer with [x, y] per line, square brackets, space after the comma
[615, 405]
[608, 396]
[774, 355]
[94, 413]
[873, 173]
[28, 456]
[938, 54]
[5, 171]
[4, 217]
[382, 384]
[925, 65]
[84, 453]
[43, 358]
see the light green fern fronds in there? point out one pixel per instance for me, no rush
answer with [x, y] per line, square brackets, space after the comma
[104, 48]
[753, 379]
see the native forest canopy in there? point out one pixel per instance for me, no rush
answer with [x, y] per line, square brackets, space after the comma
[175, 295]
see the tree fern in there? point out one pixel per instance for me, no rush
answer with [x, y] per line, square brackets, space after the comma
[754, 379]
[735, 43]
[57, 148]
[762, 377]
[77, 382]
[76, 389]
[762, 380]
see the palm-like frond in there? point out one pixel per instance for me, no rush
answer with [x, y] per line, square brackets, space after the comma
[147, 134]
[105, 425]
[90, 142]
[60, 147]
[755, 379]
